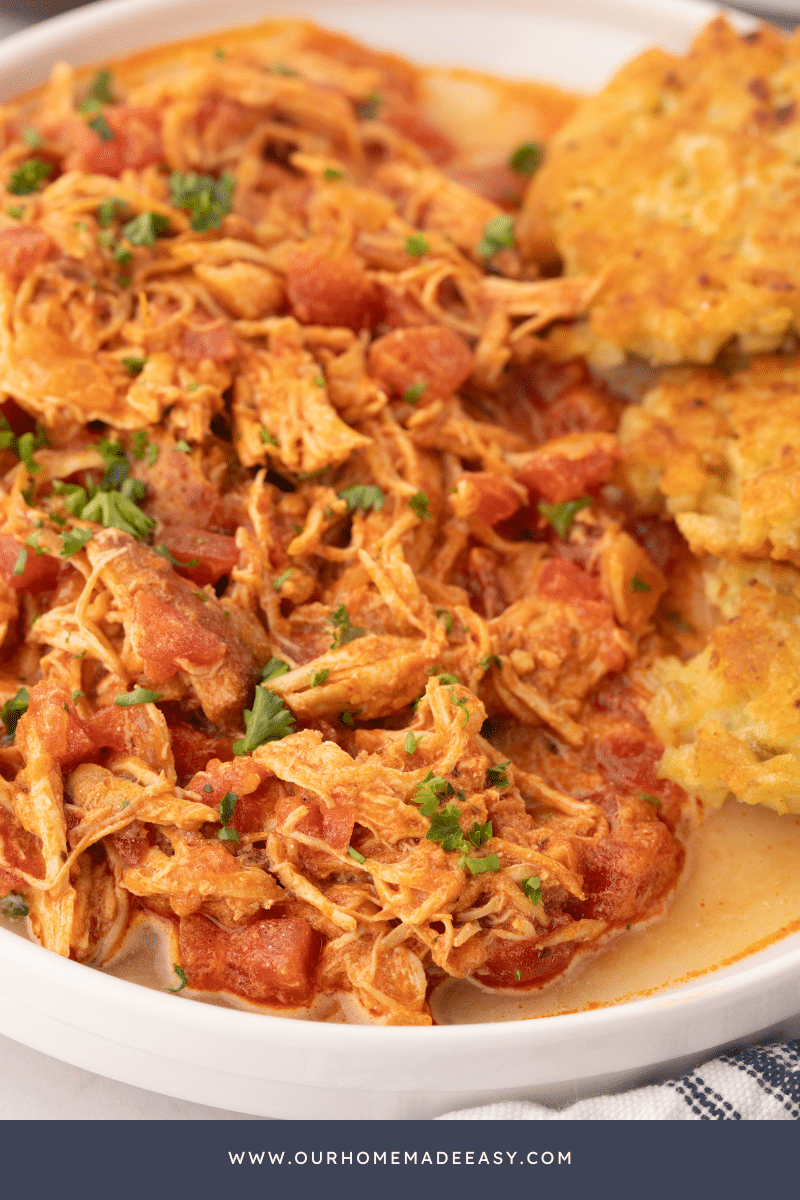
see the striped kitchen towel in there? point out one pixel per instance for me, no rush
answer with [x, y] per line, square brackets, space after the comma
[760, 1083]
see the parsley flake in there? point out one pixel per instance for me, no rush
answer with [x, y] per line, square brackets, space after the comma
[282, 578]
[479, 866]
[532, 887]
[183, 446]
[344, 630]
[419, 506]
[367, 110]
[206, 199]
[144, 229]
[561, 516]
[183, 981]
[21, 563]
[461, 703]
[14, 906]
[32, 138]
[274, 669]
[363, 496]
[414, 393]
[330, 173]
[268, 720]
[447, 618]
[445, 828]
[348, 717]
[139, 695]
[100, 88]
[26, 444]
[518, 975]
[135, 366]
[526, 159]
[268, 439]
[639, 585]
[13, 709]
[317, 678]
[74, 540]
[108, 210]
[496, 776]
[489, 660]
[28, 175]
[416, 245]
[102, 128]
[15, 211]
[648, 799]
[411, 742]
[162, 550]
[227, 807]
[498, 234]
[354, 854]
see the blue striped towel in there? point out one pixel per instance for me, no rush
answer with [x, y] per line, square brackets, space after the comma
[761, 1083]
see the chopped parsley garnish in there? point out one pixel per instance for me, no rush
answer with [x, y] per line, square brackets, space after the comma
[331, 173]
[100, 88]
[317, 678]
[416, 245]
[26, 444]
[77, 696]
[227, 807]
[680, 623]
[518, 975]
[268, 720]
[74, 540]
[28, 175]
[444, 676]
[139, 695]
[32, 138]
[206, 199]
[411, 742]
[183, 981]
[489, 660]
[108, 210]
[274, 669]
[344, 630]
[479, 866]
[219, 52]
[102, 128]
[318, 381]
[348, 717]
[414, 393]
[115, 509]
[446, 829]
[144, 229]
[428, 792]
[363, 496]
[282, 69]
[447, 617]
[526, 159]
[496, 776]
[164, 553]
[354, 854]
[183, 446]
[639, 585]
[532, 887]
[367, 110]
[480, 833]
[21, 562]
[282, 578]
[13, 709]
[268, 439]
[14, 906]
[561, 516]
[419, 506]
[139, 438]
[135, 366]
[498, 234]
[15, 211]
[152, 454]
[648, 799]
[461, 703]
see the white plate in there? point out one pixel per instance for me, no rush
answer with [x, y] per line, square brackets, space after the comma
[273, 1067]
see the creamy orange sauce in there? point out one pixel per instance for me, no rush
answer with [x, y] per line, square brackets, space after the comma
[740, 892]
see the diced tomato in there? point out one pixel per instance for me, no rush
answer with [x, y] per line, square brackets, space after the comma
[39, 572]
[19, 849]
[133, 842]
[239, 775]
[192, 749]
[136, 142]
[162, 636]
[494, 181]
[429, 355]
[331, 291]
[624, 877]
[23, 247]
[582, 409]
[272, 961]
[411, 123]
[331, 825]
[207, 341]
[526, 963]
[488, 498]
[565, 581]
[21, 421]
[568, 467]
[628, 759]
[216, 552]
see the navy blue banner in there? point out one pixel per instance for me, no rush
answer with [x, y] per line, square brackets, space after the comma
[398, 1160]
